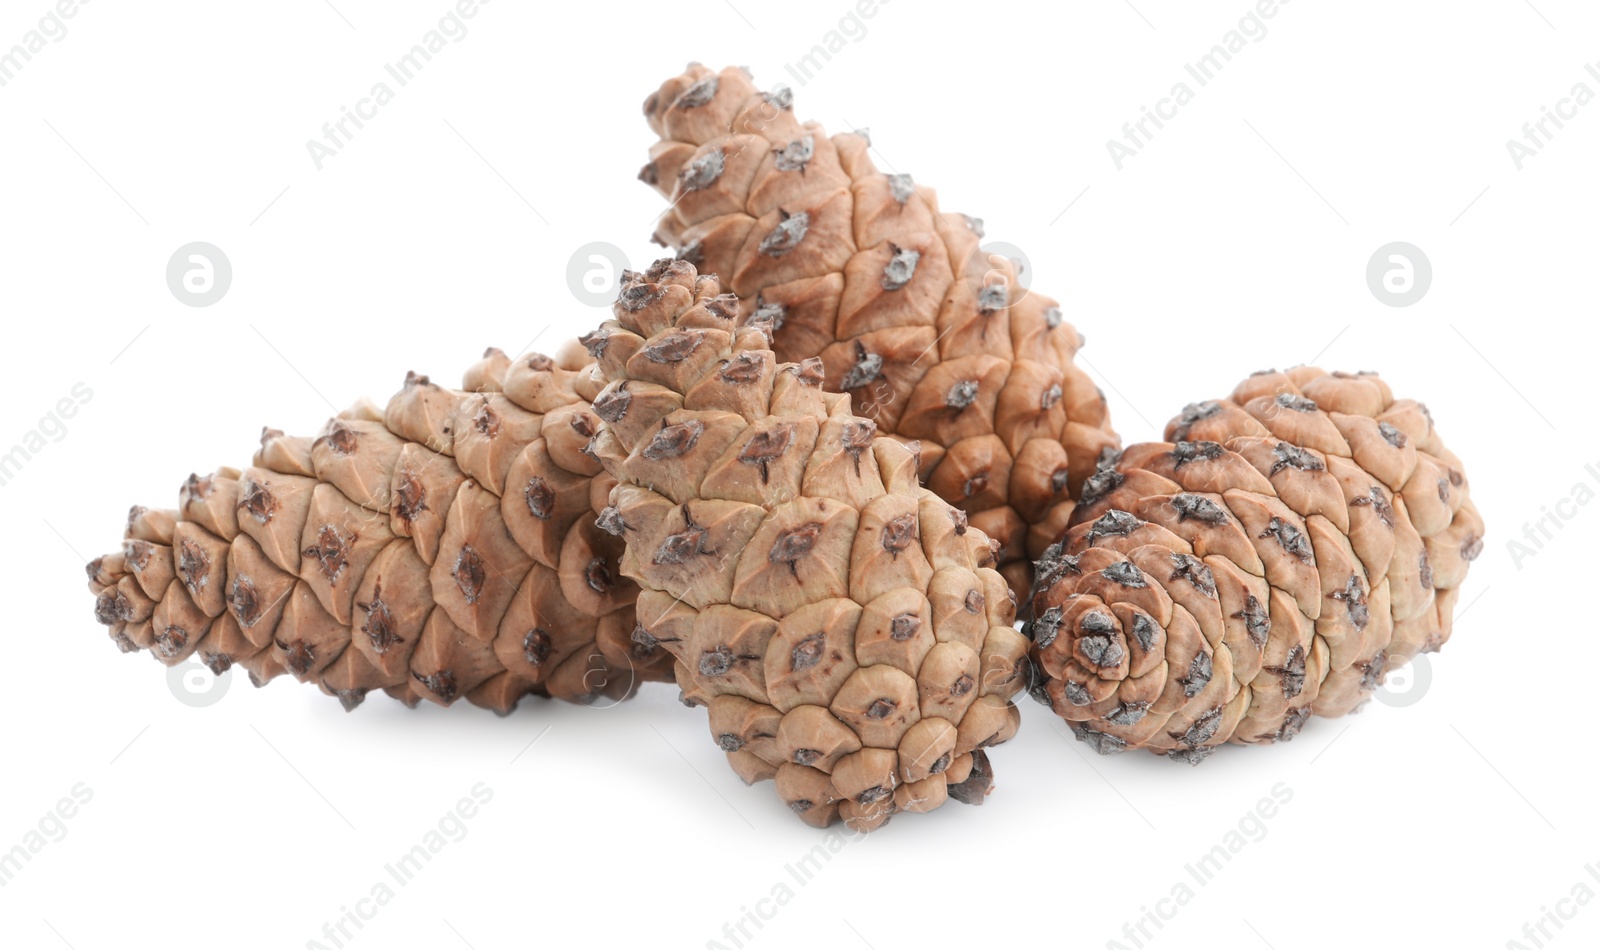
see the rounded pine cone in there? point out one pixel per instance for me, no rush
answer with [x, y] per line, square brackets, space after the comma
[932, 338]
[843, 625]
[1285, 549]
[442, 548]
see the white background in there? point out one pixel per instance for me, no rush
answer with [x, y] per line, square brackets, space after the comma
[1237, 240]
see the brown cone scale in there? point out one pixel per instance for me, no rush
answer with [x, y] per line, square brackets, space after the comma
[845, 627]
[1286, 548]
[441, 548]
[932, 339]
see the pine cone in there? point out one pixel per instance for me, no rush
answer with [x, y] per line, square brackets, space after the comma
[442, 548]
[843, 625]
[1288, 547]
[932, 338]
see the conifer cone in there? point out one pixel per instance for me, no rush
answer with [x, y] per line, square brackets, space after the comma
[1276, 557]
[844, 626]
[443, 547]
[932, 338]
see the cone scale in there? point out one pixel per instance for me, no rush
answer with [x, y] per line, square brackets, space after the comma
[844, 626]
[1286, 548]
[441, 548]
[932, 338]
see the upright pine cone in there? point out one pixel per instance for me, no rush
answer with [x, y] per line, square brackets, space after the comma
[932, 340]
[442, 548]
[842, 624]
[1287, 548]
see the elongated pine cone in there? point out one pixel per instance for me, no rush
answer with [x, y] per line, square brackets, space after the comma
[441, 548]
[1284, 550]
[843, 625]
[933, 338]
